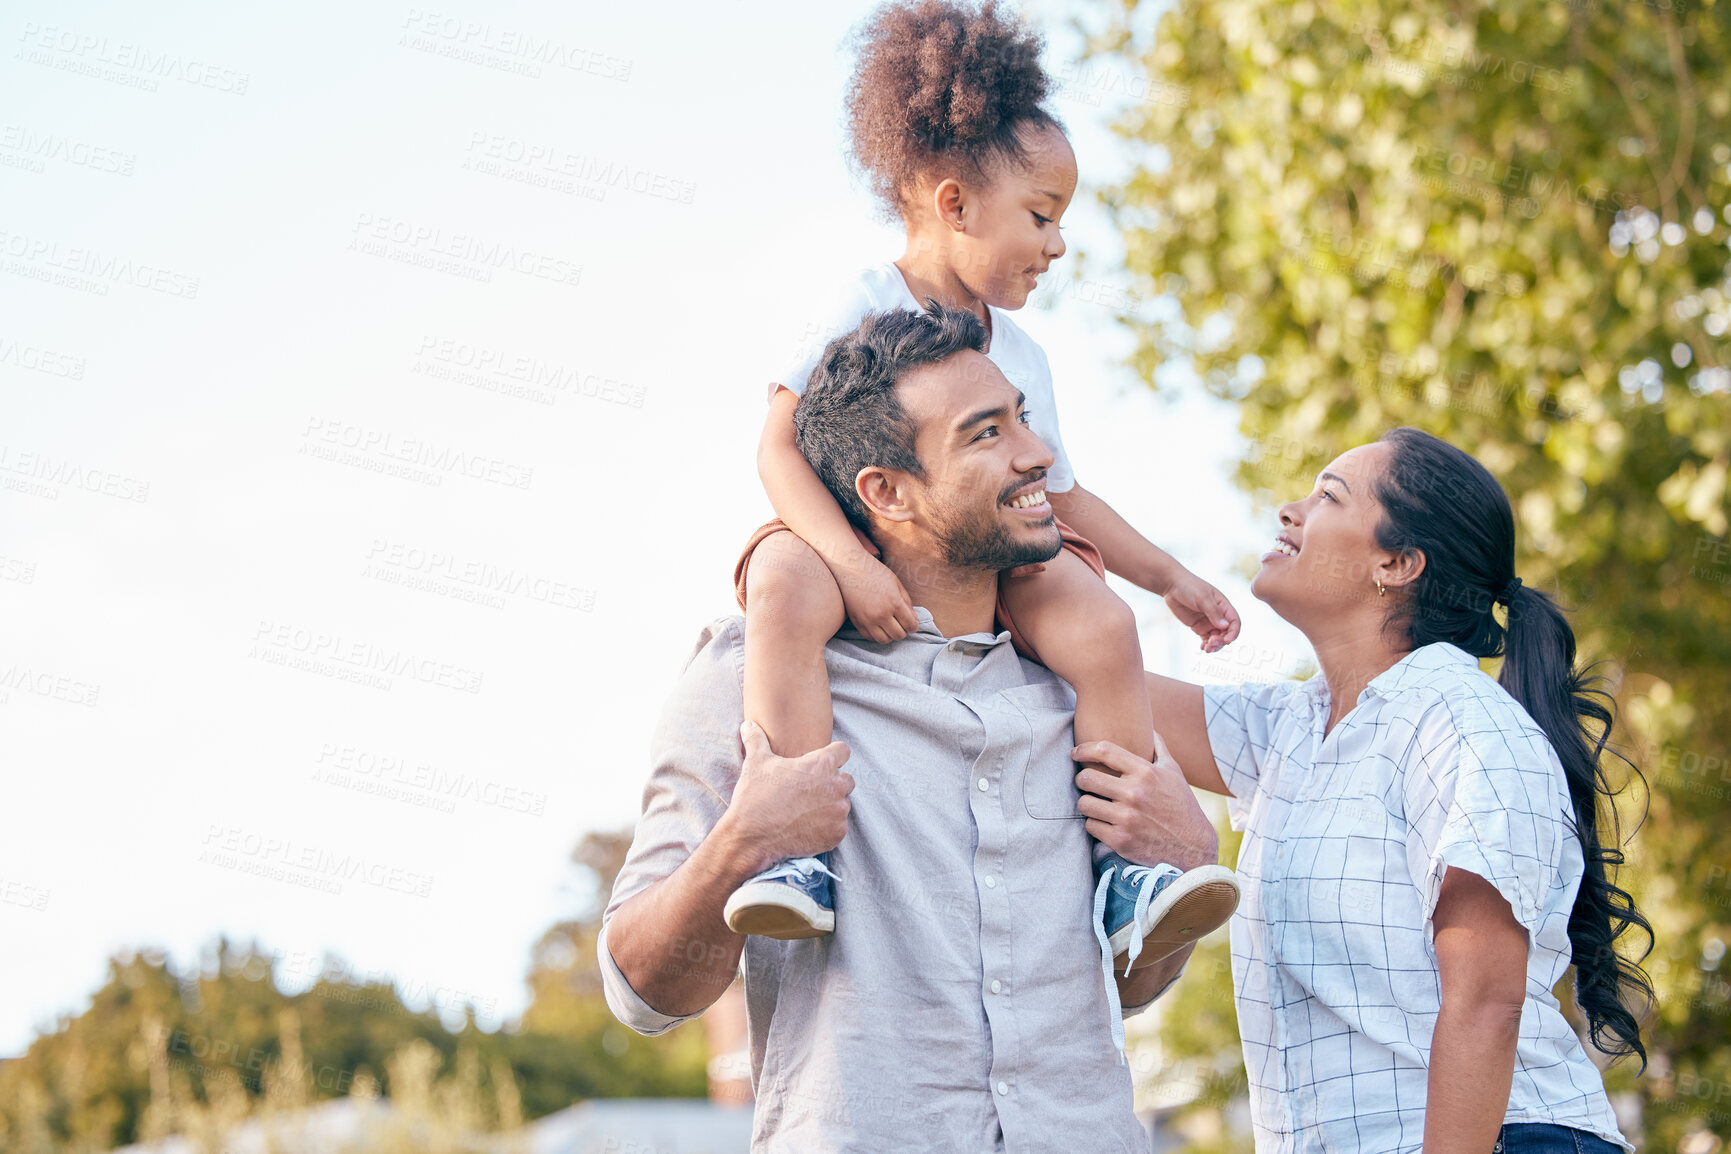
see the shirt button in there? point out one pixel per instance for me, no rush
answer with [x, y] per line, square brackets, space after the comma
[997, 986]
[984, 785]
[991, 882]
[1003, 1087]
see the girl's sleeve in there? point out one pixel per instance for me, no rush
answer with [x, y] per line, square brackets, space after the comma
[1484, 792]
[1243, 721]
[840, 313]
[1043, 418]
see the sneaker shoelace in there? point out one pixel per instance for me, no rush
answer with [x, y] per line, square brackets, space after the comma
[1145, 878]
[798, 869]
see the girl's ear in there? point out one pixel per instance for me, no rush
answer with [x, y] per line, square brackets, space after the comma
[949, 203]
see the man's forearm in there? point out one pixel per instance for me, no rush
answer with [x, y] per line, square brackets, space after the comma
[670, 941]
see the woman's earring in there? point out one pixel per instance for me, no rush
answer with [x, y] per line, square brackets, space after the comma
[1379, 589]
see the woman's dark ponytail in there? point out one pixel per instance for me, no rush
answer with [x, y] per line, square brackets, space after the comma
[1440, 501]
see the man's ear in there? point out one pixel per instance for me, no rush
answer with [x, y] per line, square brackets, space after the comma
[885, 493]
[1398, 569]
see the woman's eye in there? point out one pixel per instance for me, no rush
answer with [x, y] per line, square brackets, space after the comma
[1023, 416]
[1327, 496]
[1042, 219]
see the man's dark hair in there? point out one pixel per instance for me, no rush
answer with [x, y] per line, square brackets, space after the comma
[849, 418]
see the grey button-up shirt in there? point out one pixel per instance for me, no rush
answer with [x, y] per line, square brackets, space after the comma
[959, 1005]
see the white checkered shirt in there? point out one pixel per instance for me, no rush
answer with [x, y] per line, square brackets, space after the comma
[1346, 842]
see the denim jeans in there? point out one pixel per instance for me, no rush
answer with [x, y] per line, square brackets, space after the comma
[1544, 1138]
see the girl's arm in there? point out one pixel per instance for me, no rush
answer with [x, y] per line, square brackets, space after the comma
[1180, 720]
[1125, 551]
[1142, 563]
[1481, 951]
[876, 602]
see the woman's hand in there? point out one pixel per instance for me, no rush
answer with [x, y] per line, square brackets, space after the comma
[876, 601]
[1205, 610]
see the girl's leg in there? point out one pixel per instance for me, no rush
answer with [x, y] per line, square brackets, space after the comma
[1086, 634]
[792, 608]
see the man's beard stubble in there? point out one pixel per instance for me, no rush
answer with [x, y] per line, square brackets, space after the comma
[974, 540]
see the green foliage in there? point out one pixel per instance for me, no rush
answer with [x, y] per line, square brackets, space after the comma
[160, 1051]
[1506, 225]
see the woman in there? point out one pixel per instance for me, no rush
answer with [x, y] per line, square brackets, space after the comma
[1421, 859]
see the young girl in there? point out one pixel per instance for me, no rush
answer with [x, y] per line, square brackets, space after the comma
[946, 121]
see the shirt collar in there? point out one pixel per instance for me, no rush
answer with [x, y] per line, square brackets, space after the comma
[1409, 672]
[928, 633]
[1416, 667]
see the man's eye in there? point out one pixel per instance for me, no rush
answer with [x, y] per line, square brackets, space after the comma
[988, 431]
[1042, 219]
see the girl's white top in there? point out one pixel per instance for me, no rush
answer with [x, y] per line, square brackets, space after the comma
[1012, 350]
[1346, 841]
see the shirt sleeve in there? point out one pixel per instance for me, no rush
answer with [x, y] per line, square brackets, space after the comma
[695, 756]
[1061, 477]
[841, 314]
[1484, 793]
[1241, 723]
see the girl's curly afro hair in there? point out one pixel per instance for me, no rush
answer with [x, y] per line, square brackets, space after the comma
[937, 82]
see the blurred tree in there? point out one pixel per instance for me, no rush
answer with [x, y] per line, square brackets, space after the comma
[155, 1043]
[1506, 225]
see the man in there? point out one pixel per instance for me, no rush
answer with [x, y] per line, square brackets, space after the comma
[961, 1007]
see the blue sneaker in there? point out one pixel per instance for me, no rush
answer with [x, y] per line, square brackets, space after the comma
[1146, 913]
[788, 901]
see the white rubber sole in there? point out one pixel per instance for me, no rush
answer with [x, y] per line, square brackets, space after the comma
[774, 910]
[1192, 907]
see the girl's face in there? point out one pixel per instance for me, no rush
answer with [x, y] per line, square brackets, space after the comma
[1009, 232]
[1325, 562]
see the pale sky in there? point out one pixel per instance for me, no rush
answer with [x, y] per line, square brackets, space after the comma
[370, 458]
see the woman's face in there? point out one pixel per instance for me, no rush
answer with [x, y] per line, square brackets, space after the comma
[1325, 558]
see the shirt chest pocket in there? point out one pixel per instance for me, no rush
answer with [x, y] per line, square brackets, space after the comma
[1038, 768]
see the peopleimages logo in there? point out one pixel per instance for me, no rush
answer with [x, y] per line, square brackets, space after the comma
[280, 643]
[465, 254]
[43, 255]
[324, 438]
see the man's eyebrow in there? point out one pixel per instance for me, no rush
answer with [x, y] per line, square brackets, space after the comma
[987, 414]
[1333, 477]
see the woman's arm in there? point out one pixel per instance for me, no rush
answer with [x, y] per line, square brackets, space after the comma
[1181, 722]
[875, 600]
[1139, 561]
[1481, 952]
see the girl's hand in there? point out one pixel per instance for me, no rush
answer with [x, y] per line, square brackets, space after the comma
[876, 601]
[1205, 610]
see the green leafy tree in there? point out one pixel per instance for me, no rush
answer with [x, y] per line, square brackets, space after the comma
[159, 1050]
[1506, 225]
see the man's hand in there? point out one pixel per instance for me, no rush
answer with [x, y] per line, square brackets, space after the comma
[788, 807]
[1143, 810]
[877, 602]
[1205, 610]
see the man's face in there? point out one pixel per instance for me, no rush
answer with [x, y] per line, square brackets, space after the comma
[983, 498]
